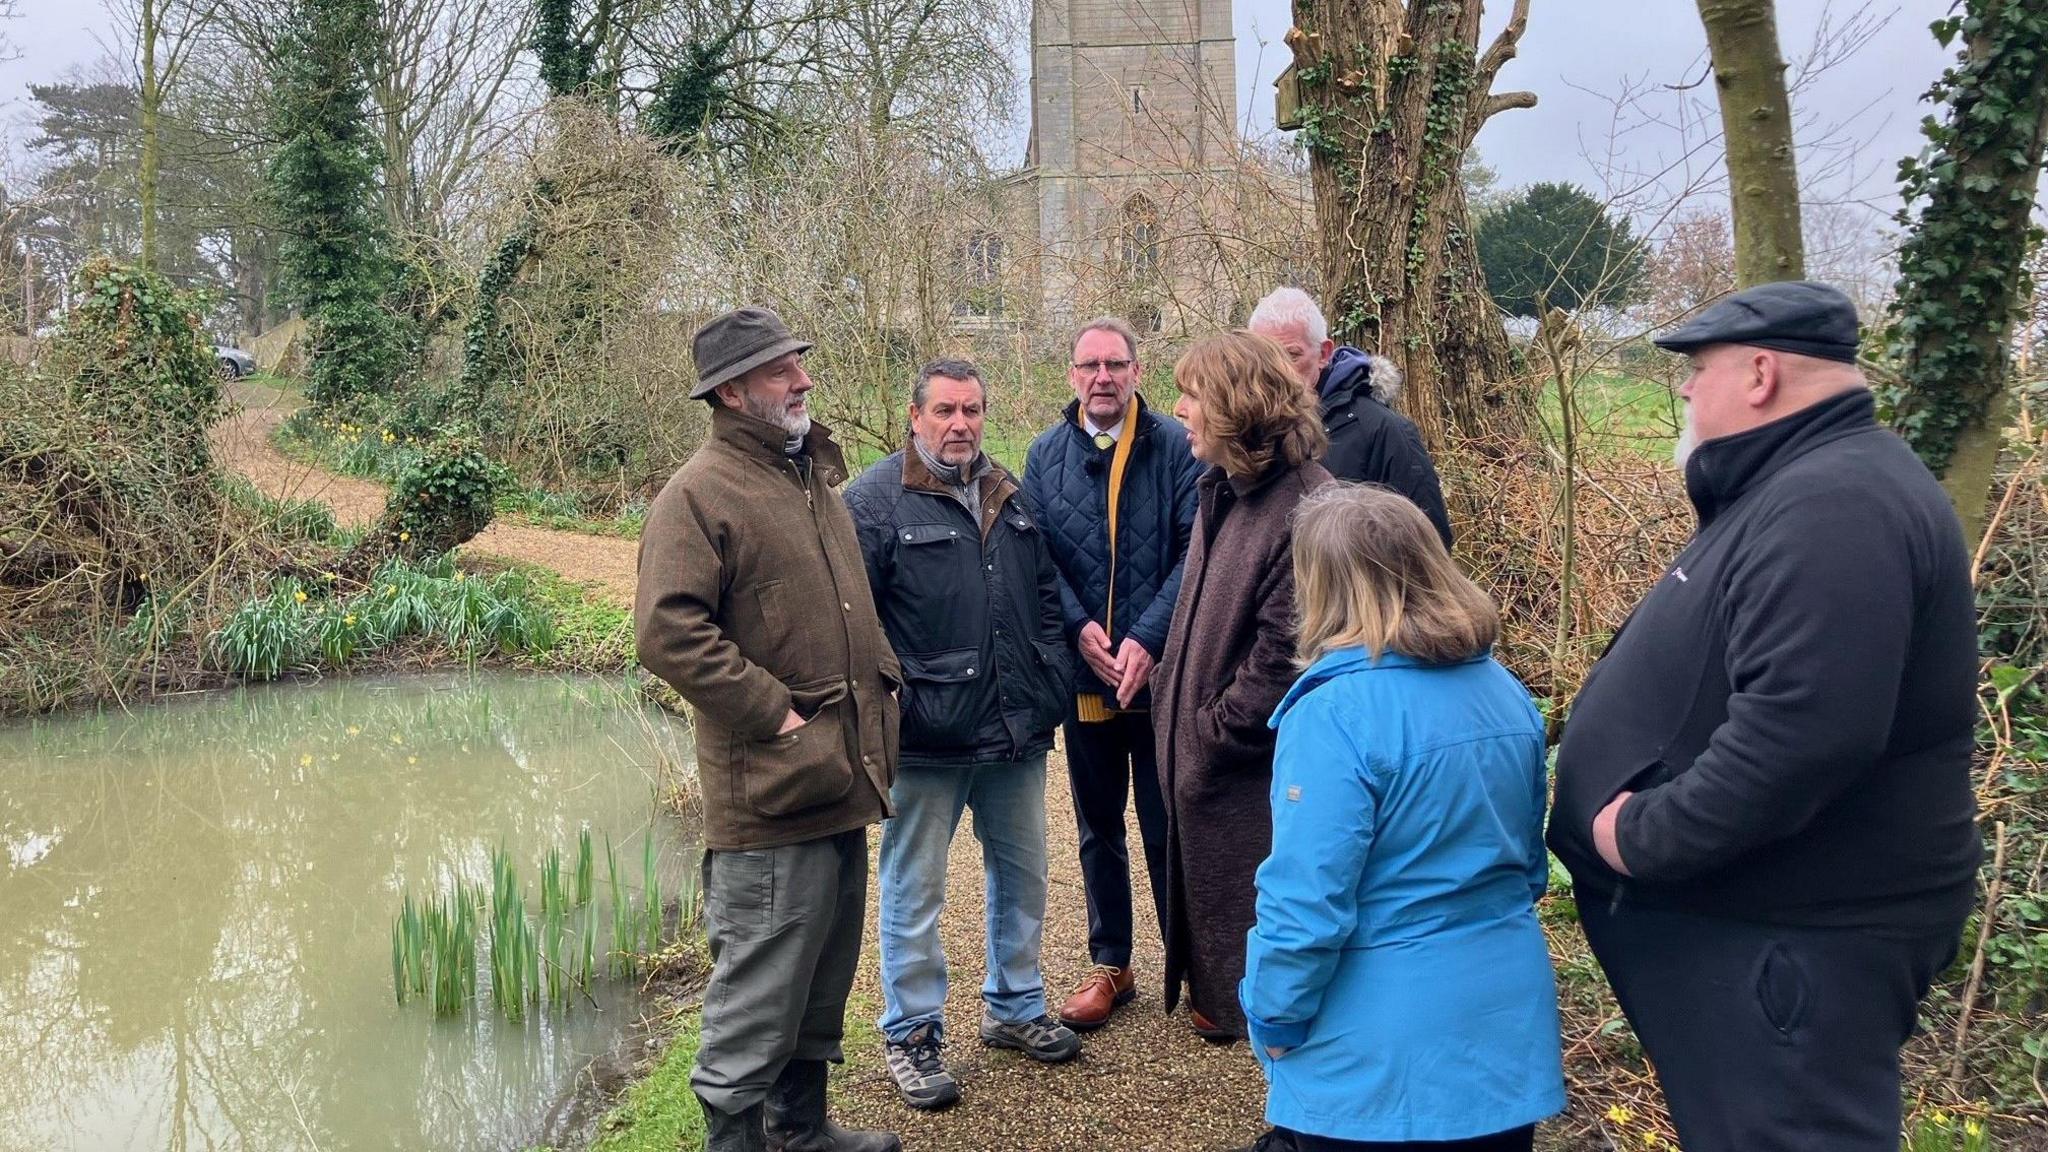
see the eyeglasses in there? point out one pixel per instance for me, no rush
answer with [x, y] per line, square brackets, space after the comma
[1091, 367]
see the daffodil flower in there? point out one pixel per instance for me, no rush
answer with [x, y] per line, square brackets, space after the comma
[299, 594]
[1619, 1114]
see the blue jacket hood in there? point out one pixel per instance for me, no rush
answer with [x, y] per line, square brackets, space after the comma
[1352, 371]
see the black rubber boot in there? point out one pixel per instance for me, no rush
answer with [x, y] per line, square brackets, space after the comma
[796, 1116]
[733, 1131]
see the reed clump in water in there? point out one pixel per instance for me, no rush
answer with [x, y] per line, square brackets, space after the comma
[535, 958]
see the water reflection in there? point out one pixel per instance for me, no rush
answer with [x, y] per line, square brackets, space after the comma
[196, 905]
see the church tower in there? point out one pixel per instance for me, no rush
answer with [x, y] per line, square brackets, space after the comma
[1128, 99]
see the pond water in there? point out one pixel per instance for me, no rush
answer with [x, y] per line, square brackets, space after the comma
[197, 898]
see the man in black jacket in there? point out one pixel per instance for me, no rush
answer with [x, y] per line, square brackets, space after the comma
[1763, 794]
[1369, 441]
[969, 599]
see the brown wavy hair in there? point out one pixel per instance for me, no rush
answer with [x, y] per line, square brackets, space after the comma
[1371, 572]
[1254, 408]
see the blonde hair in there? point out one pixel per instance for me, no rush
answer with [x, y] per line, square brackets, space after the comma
[1254, 408]
[1370, 571]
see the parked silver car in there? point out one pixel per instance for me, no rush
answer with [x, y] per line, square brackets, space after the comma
[233, 363]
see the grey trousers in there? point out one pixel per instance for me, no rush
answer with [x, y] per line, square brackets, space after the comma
[784, 925]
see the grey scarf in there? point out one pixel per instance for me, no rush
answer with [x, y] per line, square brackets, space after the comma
[963, 481]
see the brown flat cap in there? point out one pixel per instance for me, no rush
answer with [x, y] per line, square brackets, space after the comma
[742, 339]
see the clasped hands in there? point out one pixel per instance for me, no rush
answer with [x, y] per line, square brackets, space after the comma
[1127, 668]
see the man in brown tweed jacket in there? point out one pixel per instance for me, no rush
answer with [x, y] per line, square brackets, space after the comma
[754, 604]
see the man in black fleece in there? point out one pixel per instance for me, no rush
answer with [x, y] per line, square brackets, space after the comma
[1763, 794]
[1369, 441]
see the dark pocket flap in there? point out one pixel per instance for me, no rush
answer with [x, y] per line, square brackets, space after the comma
[1051, 653]
[927, 533]
[949, 667]
[813, 698]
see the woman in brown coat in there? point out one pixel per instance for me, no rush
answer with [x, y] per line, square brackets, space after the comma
[1229, 657]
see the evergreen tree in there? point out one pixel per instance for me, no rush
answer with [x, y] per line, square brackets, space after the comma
[335, 262]
[1557, 242]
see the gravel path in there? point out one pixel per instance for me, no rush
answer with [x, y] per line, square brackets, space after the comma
[243, 442]
[1144, 1083]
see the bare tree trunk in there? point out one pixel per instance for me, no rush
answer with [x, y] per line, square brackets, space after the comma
[1962, 271]
[152, 107]
[1756, 128]
[1391, 97]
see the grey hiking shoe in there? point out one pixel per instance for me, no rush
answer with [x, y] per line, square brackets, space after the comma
[920, 1072]
[1044, 1039]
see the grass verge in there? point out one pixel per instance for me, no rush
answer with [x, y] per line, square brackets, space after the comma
[659, 1112]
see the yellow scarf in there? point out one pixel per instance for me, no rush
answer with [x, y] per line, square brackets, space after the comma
[1094, 707]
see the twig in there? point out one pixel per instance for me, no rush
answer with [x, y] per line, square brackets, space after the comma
[2012, 488]
[1983, 941]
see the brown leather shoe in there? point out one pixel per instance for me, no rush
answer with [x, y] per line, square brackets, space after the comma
[1102, 992]
[1207, 1029]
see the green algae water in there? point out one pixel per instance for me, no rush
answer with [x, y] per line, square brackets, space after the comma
[197, 897]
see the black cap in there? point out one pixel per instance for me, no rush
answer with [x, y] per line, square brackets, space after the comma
[1801, 316]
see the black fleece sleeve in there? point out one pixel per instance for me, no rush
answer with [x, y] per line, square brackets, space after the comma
[1819, 609]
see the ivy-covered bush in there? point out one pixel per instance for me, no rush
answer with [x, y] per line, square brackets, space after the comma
[442, 501]
[131, 354]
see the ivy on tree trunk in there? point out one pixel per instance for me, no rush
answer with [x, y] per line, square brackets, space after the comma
[1392, 94]
[334, 259]
[1756, 131]
[1962, 271]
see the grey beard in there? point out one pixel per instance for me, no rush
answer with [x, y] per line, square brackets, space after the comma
[796, 427]
[1688, 439]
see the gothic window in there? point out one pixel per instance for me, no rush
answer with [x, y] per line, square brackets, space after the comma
[1140, 239]
[983, 259]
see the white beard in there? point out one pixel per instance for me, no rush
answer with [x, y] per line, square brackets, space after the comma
[1688, 439]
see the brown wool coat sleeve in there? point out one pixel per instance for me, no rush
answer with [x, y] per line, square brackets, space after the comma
[1233, 725]
[682, 580]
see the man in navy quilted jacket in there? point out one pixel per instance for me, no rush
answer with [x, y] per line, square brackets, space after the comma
[1115, 485]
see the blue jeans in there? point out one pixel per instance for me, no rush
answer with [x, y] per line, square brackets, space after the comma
[1008, 799]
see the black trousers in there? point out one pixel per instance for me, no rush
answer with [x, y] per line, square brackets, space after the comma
[1108, 763]
[1513, 1140]
[1768, 1038]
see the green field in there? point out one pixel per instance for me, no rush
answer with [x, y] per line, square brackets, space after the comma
[1616, 414]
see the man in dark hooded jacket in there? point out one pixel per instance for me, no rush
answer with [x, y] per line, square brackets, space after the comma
[1369, 441]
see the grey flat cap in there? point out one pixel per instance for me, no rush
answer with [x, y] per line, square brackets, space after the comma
[742, 339]
[1801, 316]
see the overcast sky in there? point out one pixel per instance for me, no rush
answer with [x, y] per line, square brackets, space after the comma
[1576, 56]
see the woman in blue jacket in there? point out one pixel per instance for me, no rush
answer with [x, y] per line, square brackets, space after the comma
[1397, 984]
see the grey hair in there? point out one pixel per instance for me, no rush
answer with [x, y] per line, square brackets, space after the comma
[951, 370]
[1108, 324]
[1285, 306]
